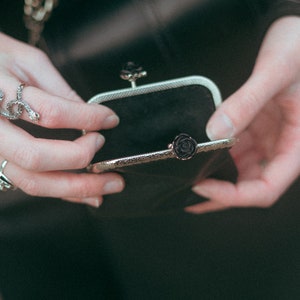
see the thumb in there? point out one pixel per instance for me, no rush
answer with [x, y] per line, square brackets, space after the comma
[237, 112]
[274, 71]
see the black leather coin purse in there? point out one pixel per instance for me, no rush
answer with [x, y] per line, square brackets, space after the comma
[160, 146]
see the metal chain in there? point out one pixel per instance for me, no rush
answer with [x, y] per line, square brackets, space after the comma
[36, 13]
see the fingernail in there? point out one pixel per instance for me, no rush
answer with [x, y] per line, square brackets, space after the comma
[93, 201]
[111, 121]
[220, 127]
[202, 191]
[114, 186]
[100, 141]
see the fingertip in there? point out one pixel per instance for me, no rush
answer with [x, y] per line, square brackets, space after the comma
[111, 121]
[194, 209]
[115, 185]
[100, 140]
[93, 141]
[201, 190]
[93, 201]
[220, 126]
[205, 207]
[105, 117]
[90, 201]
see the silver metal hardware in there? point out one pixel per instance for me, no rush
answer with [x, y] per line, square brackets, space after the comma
[36, 13]
[13, 114]
[131, 72]
[158, 155]
[5, 183]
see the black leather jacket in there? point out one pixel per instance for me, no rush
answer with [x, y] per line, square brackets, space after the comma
[90, 40]
[52, 248]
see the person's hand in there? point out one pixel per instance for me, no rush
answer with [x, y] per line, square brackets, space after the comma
[265, 116]
[40, 167]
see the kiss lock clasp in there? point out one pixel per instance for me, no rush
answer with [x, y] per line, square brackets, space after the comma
[132, 72]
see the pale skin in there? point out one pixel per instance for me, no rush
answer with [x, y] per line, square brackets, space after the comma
[264, 114]
[35, 165]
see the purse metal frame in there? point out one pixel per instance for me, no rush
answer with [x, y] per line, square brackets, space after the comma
[110, 165]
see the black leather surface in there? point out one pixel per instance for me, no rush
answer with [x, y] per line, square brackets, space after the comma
[170, 39]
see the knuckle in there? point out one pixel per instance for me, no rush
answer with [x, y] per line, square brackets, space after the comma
[28, 158]
[92, 120]
[85, 149]
[29, 186]
[90, 116]
[51, 115]
[80, 156]
[252, 100]
[83, 157]
[39, 56]
[82, 188]
[7, 62]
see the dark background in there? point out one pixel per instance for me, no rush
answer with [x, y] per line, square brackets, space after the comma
[56, 250]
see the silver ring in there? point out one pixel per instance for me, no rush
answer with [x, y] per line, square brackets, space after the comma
[14, 108]
[5, 183]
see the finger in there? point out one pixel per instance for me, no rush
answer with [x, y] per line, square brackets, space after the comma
[261, 192]
[84, 188]
[32, 66]
[274, 71]
[91, 201]
[283, 170]
[250, 167]
[246, 193]
[44, 155]
[57, 112]
[236, 113]
[205, 207]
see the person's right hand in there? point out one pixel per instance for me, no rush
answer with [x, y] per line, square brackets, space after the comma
[42, 167]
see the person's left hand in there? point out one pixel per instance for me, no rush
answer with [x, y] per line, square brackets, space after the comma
[265, 116]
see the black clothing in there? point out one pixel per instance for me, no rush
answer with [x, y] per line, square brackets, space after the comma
[51, 249]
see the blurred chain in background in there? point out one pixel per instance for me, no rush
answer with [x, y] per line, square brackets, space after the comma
[36, 13]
